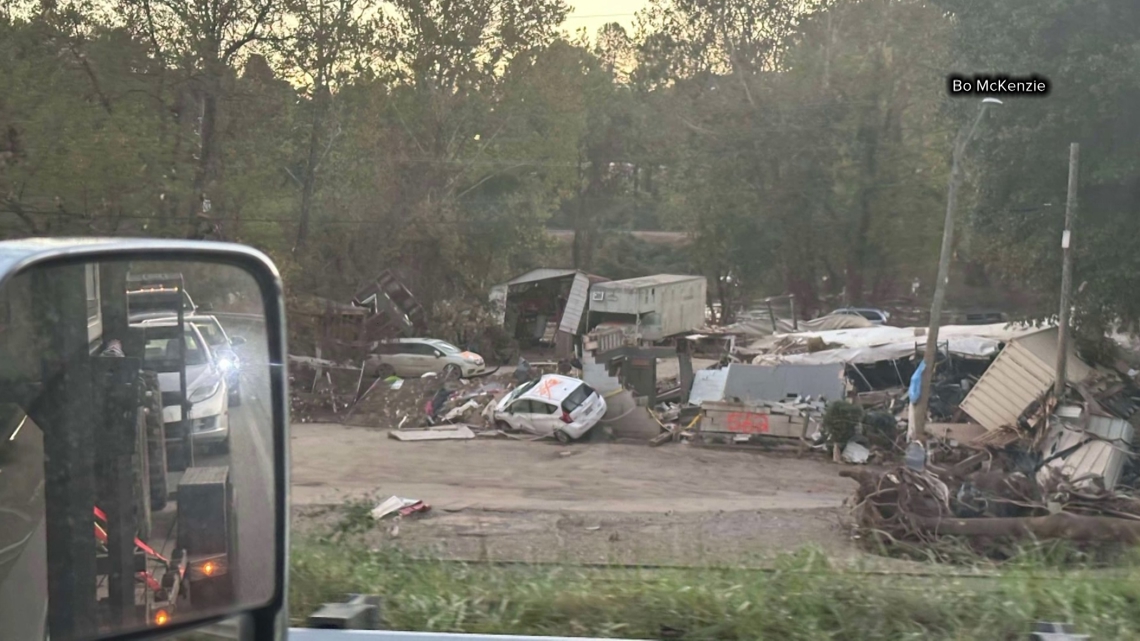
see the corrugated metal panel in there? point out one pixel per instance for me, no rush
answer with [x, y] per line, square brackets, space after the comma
[1103, 457]
[1017, 378]
[655, 280]
[575, 304]
[778, 382]
[542, 273]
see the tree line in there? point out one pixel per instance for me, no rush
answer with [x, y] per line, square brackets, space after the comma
[802, 145]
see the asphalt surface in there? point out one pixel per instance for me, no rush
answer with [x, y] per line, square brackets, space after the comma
[251, 467]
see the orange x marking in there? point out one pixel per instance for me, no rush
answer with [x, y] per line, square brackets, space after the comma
[544, 389]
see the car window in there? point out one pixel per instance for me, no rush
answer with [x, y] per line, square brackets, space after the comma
[446, 347]
[871, 315]
[164, 350]
[522, 407]
[522, 389]
[212, 333]
[577, 397]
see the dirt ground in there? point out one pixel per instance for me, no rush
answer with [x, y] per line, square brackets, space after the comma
[586, 502]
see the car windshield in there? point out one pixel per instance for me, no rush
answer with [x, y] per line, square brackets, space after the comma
[445, 347]
[155, 301]
[521, 389]
[212, 333]
[164, 351]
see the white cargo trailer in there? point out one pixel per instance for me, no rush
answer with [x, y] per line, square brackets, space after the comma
[658, 306]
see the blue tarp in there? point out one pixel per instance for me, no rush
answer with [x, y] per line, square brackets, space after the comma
[916, 382]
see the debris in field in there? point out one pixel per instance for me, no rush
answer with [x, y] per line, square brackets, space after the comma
[855, 453]
[398, 505]
[450, 432]
[461, 411]
[1086, 449]
[396, 384]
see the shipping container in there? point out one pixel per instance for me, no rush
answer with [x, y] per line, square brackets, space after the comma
[660, 306]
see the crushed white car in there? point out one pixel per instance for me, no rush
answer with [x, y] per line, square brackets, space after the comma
[559, 406]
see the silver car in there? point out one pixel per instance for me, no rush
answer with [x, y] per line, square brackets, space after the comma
[414, 357]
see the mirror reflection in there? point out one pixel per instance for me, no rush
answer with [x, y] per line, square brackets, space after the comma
[135, 419]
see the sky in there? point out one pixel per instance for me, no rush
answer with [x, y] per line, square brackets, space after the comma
[592, 14]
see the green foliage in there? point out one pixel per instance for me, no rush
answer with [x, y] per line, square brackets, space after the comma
[802, 596]
[841, 421]
[801, 146]
[1086, 50]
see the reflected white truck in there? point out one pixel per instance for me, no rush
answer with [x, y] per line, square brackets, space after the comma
[554, 405]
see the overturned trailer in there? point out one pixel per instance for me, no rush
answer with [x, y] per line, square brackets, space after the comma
[545, 306]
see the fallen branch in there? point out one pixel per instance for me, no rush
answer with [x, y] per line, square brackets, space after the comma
[1055, 526]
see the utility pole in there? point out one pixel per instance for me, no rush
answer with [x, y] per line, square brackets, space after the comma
[1066, 271]
[918, 430]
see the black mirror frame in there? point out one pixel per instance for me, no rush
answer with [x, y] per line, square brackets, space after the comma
[267, 621]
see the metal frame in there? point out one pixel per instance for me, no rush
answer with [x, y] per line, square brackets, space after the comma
[268, 620]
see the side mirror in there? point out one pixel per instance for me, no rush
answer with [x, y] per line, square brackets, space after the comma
[237, 341]
[103, 440]
[438, 354]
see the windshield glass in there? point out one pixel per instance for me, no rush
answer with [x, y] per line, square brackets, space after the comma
[522, 389]
[212, 333]
[165, 350]
[445, 347]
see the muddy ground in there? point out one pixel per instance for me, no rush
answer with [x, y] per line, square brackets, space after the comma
[586, 502]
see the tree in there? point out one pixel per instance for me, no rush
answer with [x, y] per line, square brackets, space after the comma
[208, 38]
[328, 45]
[1086, 51]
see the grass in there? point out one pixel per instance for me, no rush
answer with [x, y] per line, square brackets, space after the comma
[803, 596]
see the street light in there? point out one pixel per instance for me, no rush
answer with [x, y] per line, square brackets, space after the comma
[918, 430]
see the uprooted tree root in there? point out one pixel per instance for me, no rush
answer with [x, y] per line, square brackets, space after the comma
[918, 514]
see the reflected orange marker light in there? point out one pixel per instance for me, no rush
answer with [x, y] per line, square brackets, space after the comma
[161, 617]
[208, 568]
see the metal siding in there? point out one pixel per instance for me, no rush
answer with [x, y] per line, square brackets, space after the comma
[575, 304]
[1098, 458]
[542, 273]
[643, 295]
[1018, 377]
[776, 383]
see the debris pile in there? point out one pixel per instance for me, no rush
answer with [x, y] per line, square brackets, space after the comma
[1064, 471]
[420, 402]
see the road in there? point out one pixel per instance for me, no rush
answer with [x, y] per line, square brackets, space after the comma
[251, 466]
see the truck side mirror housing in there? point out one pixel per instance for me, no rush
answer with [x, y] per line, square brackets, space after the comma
[237, 341]
[140, 443]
